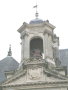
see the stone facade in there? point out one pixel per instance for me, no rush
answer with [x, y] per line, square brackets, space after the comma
[43, 31]
[39, 52]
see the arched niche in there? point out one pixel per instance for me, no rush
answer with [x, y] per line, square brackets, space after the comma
[36, 45]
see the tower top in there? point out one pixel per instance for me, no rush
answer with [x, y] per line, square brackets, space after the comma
[36, 14]
[36, 20]
[9, 52]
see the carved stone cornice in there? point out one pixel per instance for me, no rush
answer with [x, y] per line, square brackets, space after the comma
[44, 23]
[40, 85]
[22, 28]
[33, 61]
[24, 34]
[56, 74]
[48, 32]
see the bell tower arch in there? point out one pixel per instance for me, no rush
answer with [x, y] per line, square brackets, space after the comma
[37, 40]
[36, 46]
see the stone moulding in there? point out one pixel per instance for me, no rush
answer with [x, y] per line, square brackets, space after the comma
[26, 25]
[39, 85]
[16, 76]
[55, 74]
[33, 62]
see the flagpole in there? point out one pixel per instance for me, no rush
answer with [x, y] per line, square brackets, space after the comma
[36, 14]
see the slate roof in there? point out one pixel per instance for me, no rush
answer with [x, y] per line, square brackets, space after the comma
[7, 64]
[36, 21]
[63, 55]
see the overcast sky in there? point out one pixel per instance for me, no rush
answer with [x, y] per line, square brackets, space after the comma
[14, 12]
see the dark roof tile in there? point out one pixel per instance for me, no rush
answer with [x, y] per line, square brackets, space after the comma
[7, 64]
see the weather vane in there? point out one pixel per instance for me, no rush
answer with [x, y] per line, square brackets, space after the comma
[36, 6]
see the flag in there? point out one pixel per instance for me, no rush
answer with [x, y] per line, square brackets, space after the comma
[35, 6]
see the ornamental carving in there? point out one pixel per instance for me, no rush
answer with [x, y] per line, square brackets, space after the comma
[34, 74]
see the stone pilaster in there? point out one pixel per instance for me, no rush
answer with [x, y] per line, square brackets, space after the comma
[22, 49]
[45, 43]
[25, 46]
[50, 50]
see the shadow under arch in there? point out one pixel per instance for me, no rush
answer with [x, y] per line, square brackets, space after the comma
[36, 43]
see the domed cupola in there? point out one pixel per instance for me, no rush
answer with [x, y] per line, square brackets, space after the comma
[36, 21]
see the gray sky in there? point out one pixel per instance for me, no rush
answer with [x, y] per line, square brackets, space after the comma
[14, 12]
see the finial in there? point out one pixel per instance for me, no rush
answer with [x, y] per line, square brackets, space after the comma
[10, 52]
[36, 14]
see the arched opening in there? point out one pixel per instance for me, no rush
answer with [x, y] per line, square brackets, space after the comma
[36, 47]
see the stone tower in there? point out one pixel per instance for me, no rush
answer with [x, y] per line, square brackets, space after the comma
[38, 69]
[38, 41]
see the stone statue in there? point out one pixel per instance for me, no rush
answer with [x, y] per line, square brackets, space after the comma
[36, 53]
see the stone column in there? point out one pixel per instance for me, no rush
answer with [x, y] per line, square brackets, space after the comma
[45, 43]
[26, 47]
[50, 50]
[22, 49]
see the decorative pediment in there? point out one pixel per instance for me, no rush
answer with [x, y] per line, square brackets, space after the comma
[19, 75]
[32, 75]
